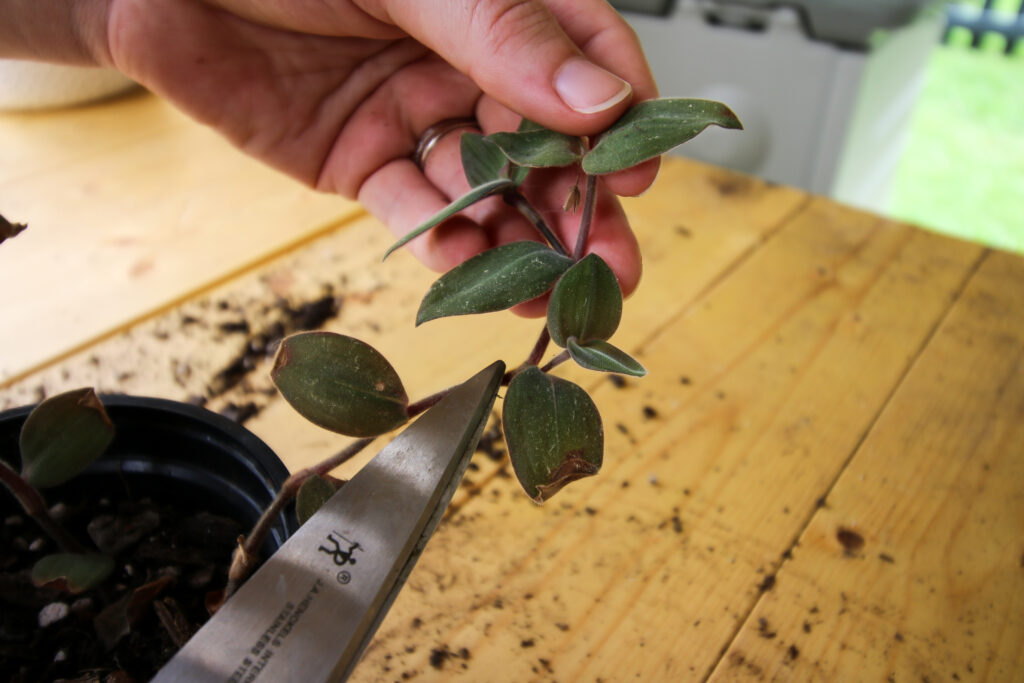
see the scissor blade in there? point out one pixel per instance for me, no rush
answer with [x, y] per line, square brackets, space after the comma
[311, 609]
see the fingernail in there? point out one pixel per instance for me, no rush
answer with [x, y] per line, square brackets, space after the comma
[587, 88]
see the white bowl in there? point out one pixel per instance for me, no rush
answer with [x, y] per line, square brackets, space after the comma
[28, 85]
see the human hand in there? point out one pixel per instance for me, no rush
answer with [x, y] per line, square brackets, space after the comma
[338, 93]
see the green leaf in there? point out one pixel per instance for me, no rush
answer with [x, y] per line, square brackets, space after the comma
[526, 125]
[313, 493]
[652, 128]
[553, 431]
[72, 572]
[515, 172]
[482, 160]
[62, 436]
[472, 197]
[340, 383]
[586, 302]
[518, 173]
[494, 280]
[538, 147]
[603, 357]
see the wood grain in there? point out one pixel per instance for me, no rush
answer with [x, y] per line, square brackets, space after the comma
[914, 569]
[800, 353]
[758, 394]
[130, 209]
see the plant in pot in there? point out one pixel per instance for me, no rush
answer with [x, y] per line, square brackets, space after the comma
[552, 428]
[105, 577]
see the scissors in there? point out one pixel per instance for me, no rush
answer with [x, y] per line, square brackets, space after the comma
[309, 612]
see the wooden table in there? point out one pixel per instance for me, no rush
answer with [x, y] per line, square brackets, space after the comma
[821, 478]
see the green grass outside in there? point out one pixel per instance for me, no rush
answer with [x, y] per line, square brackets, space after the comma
[963, 169]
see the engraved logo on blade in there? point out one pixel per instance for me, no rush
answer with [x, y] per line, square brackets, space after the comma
[342, 551]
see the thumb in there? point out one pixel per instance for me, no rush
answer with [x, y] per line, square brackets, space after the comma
[517, 52]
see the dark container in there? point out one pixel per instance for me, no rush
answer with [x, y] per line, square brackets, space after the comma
[174, 451]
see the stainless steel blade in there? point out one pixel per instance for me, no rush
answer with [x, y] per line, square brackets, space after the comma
[311, 609]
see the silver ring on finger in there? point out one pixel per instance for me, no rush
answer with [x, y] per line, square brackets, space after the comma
[431, 136]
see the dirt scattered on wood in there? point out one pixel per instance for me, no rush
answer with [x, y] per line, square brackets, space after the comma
[440, 655]
[732, 184]
[492, 440]
[289, 318]
[851, 541]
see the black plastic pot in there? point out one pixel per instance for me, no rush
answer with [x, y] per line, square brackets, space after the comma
[175, 451]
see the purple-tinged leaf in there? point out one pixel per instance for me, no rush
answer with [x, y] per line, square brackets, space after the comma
[494, 280]
[652, 128]
[340, 383]
[586, 302]
[72, 572]
[482, 160]
[518, 173]
[538, 147]
[479, 192]
[603, 357]
[313, 493]
[553, 431]
[62, 436]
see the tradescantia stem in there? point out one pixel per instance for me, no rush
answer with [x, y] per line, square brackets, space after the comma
[555, 362]
[414, 409]
[246, 554]
[245, 559]
[515, 199]
[533, 359]
[34, 505]
[589, 200]
[540, 347]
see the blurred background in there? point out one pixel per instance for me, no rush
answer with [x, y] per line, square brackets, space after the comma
[911, 108]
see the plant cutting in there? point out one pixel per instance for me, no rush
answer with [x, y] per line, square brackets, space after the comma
[61, 437]
[130, 543]
[552, 427]
[553, 430]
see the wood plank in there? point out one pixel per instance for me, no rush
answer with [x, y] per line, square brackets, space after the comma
[129, 212]
[379, 302]
[646, 571]
[39, 141]
[914, 570]
[779, 316]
